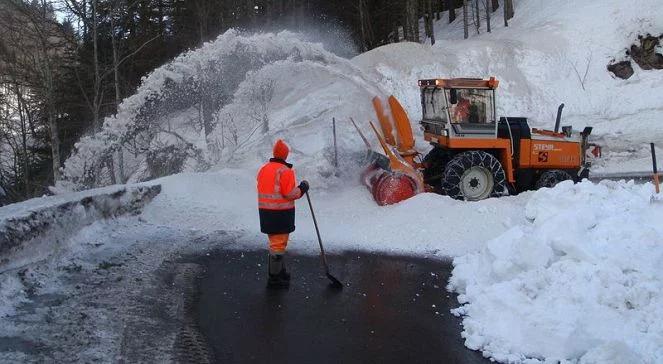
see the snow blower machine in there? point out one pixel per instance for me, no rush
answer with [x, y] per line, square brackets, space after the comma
[475, 155]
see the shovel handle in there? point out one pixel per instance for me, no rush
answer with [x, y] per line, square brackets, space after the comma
[317, 232]
[653, 161]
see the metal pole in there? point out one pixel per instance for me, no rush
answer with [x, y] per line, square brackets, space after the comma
[654, 167]
[335, 148]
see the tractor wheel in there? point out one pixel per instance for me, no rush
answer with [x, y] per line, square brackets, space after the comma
[552, 177]
[473, 176]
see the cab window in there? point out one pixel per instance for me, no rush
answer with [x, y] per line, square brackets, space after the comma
[471, 106]
[433, 104]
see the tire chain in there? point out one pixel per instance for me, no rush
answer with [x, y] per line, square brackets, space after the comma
[462, 162]
[552, 178]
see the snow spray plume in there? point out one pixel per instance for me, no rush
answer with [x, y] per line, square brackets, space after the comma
[168, 125]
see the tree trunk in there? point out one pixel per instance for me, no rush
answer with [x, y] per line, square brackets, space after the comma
[96, 105]
[465, 20]
[488, 6]
[117, 170]
[452, 10]
[509, 7]
[496, 5]
[24, 140]
[411, 29]
[477, 15]
[362, 25]
[508, 11]
[431, 25]
[53, 127]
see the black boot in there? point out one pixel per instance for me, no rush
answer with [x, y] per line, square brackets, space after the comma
[278, 277]
[284, 272]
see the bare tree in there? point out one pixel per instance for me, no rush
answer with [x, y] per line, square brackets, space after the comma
[90, 21]
[582, 79]
[38, 46]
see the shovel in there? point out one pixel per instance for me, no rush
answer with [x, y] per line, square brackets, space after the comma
[335, 283]
[656, 198]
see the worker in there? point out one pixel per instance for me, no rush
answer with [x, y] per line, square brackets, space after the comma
[461, 112]
[277, 192]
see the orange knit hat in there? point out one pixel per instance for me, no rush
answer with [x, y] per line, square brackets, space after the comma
[281, 150]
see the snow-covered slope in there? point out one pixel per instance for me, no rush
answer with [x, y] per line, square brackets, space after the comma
[552, 52]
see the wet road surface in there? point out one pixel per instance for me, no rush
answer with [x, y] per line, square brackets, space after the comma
[391, 310]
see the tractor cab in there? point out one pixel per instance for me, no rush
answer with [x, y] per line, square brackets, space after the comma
[459, 108]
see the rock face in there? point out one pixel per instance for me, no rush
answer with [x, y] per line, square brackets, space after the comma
[644, 54]
[622, 69]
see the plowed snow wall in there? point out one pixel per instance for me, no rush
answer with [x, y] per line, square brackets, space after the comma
[46, 226]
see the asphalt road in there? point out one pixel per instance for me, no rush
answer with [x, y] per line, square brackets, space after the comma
[391, 310]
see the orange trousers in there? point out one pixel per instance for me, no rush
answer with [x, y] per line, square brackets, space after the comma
[278, 243]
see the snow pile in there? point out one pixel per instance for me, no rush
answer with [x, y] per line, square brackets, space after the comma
[581, 280]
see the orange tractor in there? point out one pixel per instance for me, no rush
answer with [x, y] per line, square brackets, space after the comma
[475, 155]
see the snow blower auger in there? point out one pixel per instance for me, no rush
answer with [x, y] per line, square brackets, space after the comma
[394, 178]
[475, 155]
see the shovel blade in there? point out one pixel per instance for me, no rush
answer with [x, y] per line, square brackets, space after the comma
[335, 283]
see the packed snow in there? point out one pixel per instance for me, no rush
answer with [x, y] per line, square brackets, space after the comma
[569, 274]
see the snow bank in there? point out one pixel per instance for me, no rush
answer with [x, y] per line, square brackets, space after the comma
[581, 280]
[38, 227]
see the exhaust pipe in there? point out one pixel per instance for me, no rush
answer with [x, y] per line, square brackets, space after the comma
[559, 117]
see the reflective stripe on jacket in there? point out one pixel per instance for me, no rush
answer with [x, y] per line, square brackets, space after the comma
[277, 186]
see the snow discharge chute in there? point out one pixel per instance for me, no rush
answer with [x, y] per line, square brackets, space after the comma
[395, 178]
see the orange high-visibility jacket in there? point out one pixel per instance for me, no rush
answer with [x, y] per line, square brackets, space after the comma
[277, 193]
